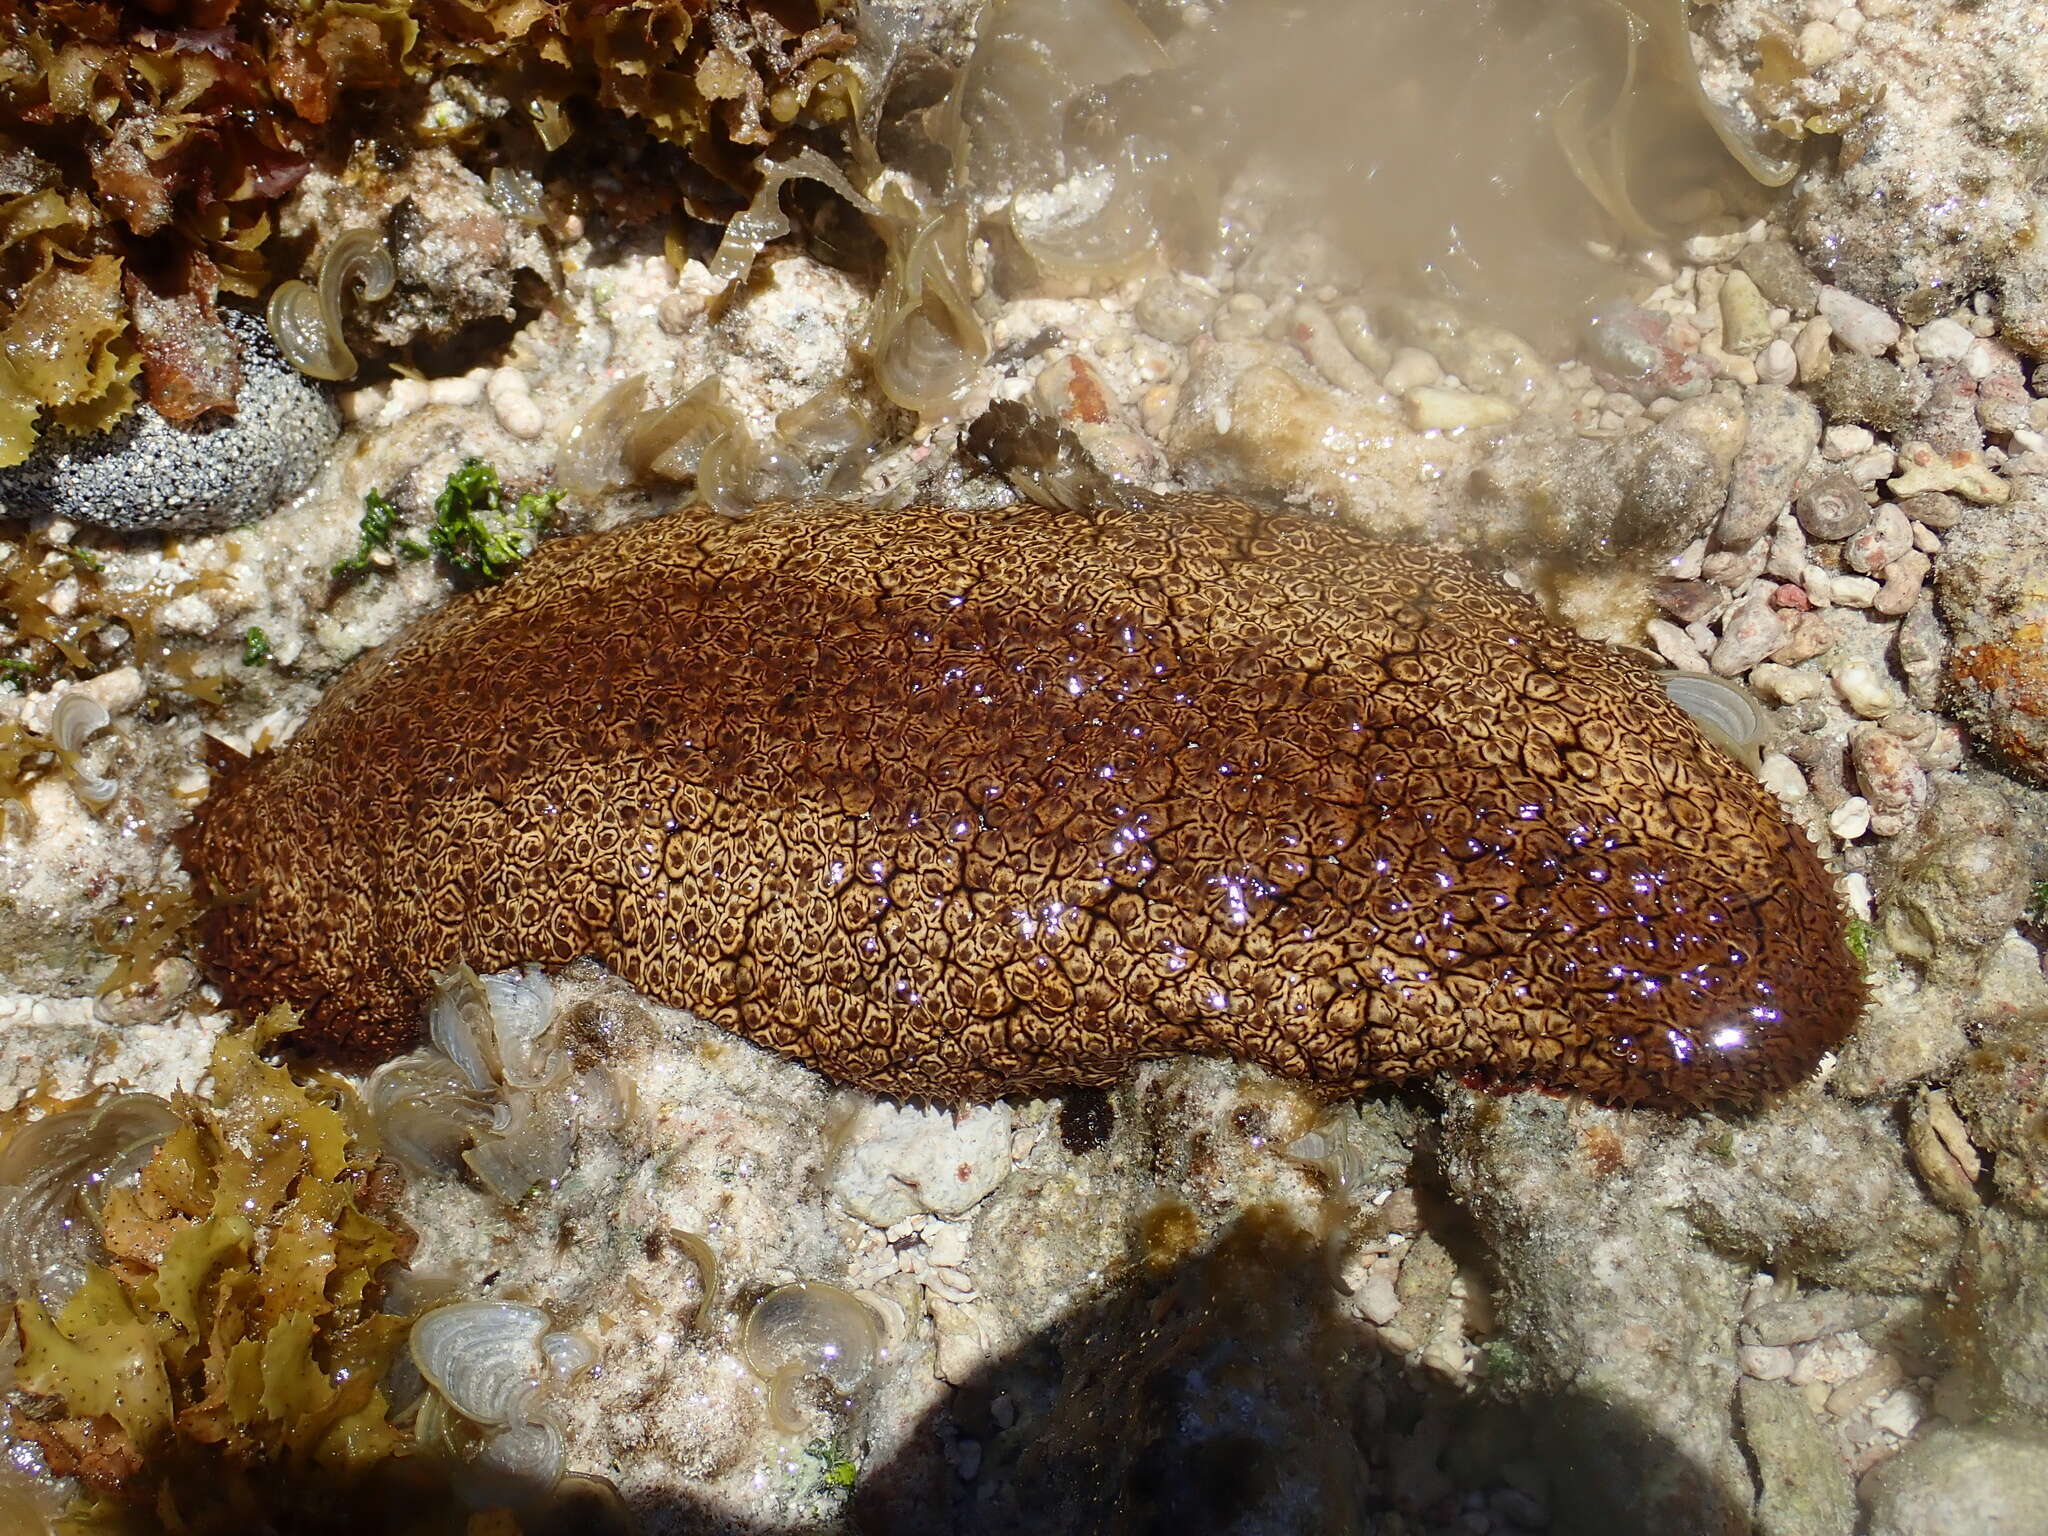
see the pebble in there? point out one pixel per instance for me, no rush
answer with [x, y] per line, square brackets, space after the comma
[1985, 358]
[1690, 602]
[1853, 591]
[1904, 579]
[459, 389]
[1864, 689]
[1781, 275]
[1745, 315]
[1675, 646]
[1447, 410]
[1736, 568]
[1172, 311]
[2003, 405]
[1377, 1299]
[1851, 819]
[1748, 635]
[1845, 440]
[510, 395]
[1866, 469]
[1412, 368]
[1781, 776]
[1366, 344]
[1890, 777]
[1788, 548]
[1813, 350]
[1783, 431]
[1073, 389]
[1777, 363]
[1888, 536]
[1944, 340]
[1812, 634]
[1850, 1398]
[1316, 334]
[1871, 391]
[1923, 470]
[1784, 685]
[1858, 326]
[1897, 1413]
[1934, 509]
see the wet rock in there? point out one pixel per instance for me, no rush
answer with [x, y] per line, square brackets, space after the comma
[1635, 351]
[1944, 340]
[2003, 404]
[1977, 1477]
[1992, 587]
[1934, 509]
[1919, 648]
[1873, 548]
[1904, 578]
[145, 473]
[1937, 196]
[2023, 301]
[1783, 431]
[1870, 391]
[899, 1160]
[1806, 1489]
[1922, 468]
[1946, 418]
[1780, 273]
[1674, 480]
[1550, 484]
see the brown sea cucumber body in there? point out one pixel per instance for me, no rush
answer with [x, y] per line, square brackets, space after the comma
[955, 804]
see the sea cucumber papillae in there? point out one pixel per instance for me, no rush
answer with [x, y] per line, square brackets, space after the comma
[955, 804]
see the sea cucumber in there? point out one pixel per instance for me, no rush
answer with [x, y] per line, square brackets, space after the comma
[953, 804]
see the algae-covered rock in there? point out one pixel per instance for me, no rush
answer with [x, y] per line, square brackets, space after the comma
[1818, 1189]
[1951, 888]
[2002, 1286]
[1605, 1290]
[1980, 1478]
[1806, 1489]
[2002, 1091]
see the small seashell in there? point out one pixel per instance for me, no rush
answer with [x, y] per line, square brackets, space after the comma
[484, 1357]
[306, 322]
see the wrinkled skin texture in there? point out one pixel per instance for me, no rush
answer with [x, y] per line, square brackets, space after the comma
[953, 805]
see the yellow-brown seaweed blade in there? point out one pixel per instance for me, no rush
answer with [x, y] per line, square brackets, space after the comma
[953, 805]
